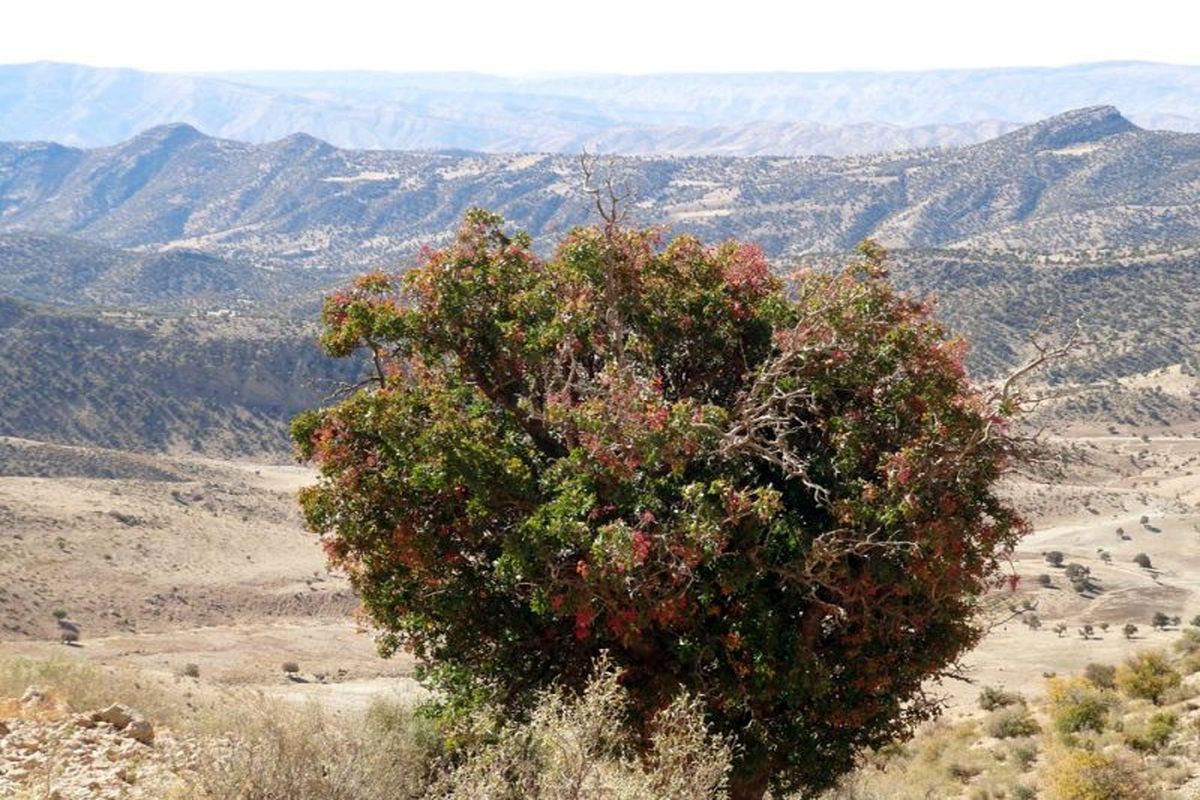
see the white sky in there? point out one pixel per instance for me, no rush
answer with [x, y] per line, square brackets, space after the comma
[630, 36]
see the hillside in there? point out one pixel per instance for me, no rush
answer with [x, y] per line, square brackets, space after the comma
[835, 113]
[1087, 179]
[59, 270]
[217, 385]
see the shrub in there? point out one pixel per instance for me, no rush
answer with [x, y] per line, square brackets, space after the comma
[1090, 775]
[579, 747]
[1142, 560]
[1153, 735]
[1159, 621]
[1101, 675]
[1074, 572]
[1130, 630]
[290, 667]
[1055, 558]
[1188, 642]
[1147, 676]
[281, 751]
[1044, 580]
[992, 698]
[1075, 705]
[190, 671]
[761, 497]
[1011, 722]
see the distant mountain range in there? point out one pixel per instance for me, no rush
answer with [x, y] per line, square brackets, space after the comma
[749, 114]
[160, 293]
[1087, 179]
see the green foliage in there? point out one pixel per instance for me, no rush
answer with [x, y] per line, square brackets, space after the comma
[1011, 722]
[779, 502]
[1147, 675]
[993, 697]
[1090, 775]
[1154, 734]
[1142, 560]
[1076, 705]
[1101, 675]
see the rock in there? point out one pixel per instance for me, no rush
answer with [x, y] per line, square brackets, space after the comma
[140, 730]
[84, 721]
[116, 715]
[33, 697]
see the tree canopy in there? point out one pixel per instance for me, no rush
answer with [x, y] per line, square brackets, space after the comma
[778, 496]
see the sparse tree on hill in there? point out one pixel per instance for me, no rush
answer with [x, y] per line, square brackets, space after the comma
[1054, 558]
[780, 502]
[1159, 621]
[1130, 630]
[1142, 560]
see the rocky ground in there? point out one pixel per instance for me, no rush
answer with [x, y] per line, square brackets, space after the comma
[46, 751]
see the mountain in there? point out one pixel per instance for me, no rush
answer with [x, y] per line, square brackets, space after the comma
[690, 114]
[129, 381]
[62, 271]
[1087, 179]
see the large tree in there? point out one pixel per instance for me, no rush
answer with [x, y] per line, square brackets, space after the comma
[778, 496]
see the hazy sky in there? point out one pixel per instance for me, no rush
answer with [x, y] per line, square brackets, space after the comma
[521, 36]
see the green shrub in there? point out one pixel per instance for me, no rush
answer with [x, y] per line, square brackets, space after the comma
[993, 697]
[1011, 722]
[1147, 676]
[1101, 675]
[1089, 775]
[1076, 705]
[1153, 735]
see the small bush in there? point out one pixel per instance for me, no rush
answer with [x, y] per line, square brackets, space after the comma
[1023, 792]
[1142, 560]
[1090, 775]
[580, 747]
[290, 667]
[1011, 722]
[993, 697]
[60, 613]
[1101, 675]
[1054, 558]
[1076, 705]
[1159, 621]
[1154, 735]
[1130, 630]
[1189, 641]
[1025, 753]
[190, 671]
[1044, 580]
[1147, 676]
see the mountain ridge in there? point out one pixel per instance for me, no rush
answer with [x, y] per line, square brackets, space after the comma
[783, 114]
[1088, 178]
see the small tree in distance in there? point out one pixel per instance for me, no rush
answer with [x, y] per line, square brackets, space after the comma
[781, 503]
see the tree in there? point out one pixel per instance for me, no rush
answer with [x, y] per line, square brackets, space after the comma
[779, 499]
[1142, 560]
[1159, 621]
[1054, 558]
[1130, 630]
